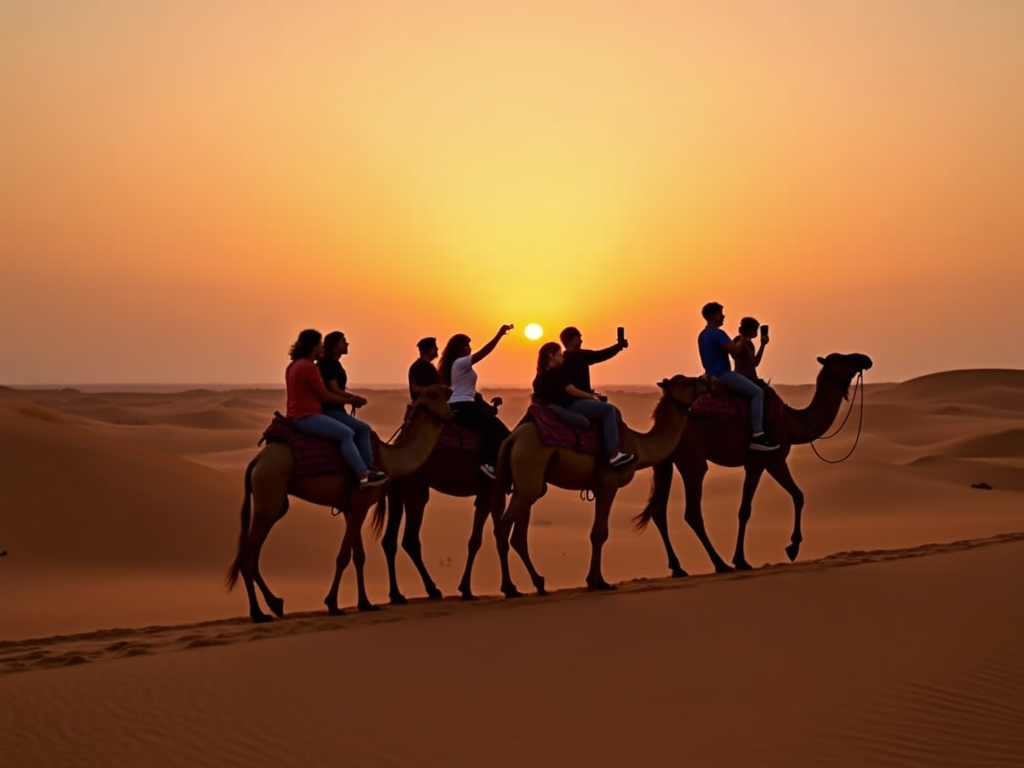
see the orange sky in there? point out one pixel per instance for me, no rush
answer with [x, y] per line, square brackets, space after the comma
[187, 184]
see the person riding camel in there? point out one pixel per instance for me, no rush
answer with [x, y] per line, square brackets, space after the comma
[306, 396]
[747, 360]
[456, 370]
[715, 347]
[422, 373]
[553, 386]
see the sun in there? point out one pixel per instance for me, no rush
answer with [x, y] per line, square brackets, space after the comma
[533, 331]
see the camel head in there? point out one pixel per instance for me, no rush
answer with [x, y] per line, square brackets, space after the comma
[434, 400]
[683, 390]
[842, 368]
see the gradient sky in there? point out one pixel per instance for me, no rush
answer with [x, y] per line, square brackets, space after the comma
[185, 185]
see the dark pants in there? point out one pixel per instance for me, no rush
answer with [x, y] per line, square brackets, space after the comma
[480, 417]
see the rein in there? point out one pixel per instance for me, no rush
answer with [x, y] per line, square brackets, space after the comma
[859, 384]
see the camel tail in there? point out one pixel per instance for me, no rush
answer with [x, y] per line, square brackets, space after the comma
[232, 576]
[657, 502]
[502, 477]
[391, 494]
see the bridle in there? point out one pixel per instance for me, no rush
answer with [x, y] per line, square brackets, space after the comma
[858, 385]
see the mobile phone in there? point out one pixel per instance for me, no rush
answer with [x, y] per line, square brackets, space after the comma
[622, 334]
[764, 331]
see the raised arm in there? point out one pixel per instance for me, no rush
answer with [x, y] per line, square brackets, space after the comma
[487, 348]
[601, 355]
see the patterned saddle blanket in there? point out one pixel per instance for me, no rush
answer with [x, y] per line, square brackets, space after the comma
[730, 406]
[556, 433]
[312, 455]
[453, 437]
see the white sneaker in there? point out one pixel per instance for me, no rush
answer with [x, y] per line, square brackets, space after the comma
[620, 459]
[488, 470]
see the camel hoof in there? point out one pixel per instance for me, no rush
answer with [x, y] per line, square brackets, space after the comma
[742, 565]
[435, 594]
[276, 606]
[601, 586]
[334, 610]
[792, 551]
[260, 618]
[539, 586]
[367, 607]
[397, 598]
[723, 568]
[510, 591]
[468, 596]
[679, 573]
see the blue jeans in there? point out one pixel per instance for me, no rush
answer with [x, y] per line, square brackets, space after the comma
[332, 429]
[737, 382]
[607, 414]
[360, 432]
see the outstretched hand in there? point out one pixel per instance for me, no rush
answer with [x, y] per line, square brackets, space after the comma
[505, 329]
[623, 344]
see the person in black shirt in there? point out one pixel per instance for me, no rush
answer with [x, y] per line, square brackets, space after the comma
[553, 386]
[421, 373]
[336, 380]
[578, 360]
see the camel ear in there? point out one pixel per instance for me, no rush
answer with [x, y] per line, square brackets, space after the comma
[663, 383]
[821, 360]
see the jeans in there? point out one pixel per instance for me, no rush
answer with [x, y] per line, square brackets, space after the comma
[480, 417]
[607, 414]
[574, 420]
[360, 430]
[332, 429]
[737, 382]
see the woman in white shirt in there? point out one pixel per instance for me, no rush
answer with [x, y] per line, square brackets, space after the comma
[456, 370]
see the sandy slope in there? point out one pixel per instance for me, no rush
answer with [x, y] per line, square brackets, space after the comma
[898, 658]
[122, 508]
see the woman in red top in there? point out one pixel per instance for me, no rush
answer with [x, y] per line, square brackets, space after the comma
[306, 397]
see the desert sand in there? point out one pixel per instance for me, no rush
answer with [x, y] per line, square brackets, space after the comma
[121, 511]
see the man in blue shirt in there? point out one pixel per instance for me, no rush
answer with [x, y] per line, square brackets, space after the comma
[715, 348]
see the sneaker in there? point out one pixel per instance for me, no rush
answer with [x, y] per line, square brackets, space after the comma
[373, 479]
[620, 459]
[488, 470]
[763, 443]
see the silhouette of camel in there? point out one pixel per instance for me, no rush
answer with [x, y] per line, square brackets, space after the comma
[269, 481]
[532, 465]
[449, 471]
[726, 443]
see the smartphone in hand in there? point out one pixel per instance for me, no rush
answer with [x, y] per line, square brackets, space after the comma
[621, 334]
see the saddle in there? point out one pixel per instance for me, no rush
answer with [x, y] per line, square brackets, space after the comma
[312, 455]
[556, 433]
[732, 406]
[453, 436]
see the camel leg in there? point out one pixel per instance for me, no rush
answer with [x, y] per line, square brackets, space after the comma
[693, 482]
[274, 603]
[340, 563]
[520, 543]
[751, 478]
[389, 543]
[779, 470]
[411, 544]
[598, 536]
[517, 505]
[480, 515]
[359, 560]
[254, 542]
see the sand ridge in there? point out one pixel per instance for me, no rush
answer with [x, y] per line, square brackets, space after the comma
[71, 650]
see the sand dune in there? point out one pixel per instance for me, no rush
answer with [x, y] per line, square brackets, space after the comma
[902, 658]
[157, 498]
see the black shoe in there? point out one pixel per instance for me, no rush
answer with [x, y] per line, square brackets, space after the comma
[373, 479]
[762, 443]
[488, 470]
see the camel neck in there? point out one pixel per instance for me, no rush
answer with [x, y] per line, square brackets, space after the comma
[413, 448]
[812, 422]
[657, 445]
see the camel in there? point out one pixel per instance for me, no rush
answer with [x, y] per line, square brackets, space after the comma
[726, 443]
[269, 482]
[532, 465]
[451, 472]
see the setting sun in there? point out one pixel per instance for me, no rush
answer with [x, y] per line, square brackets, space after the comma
[533, 331]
